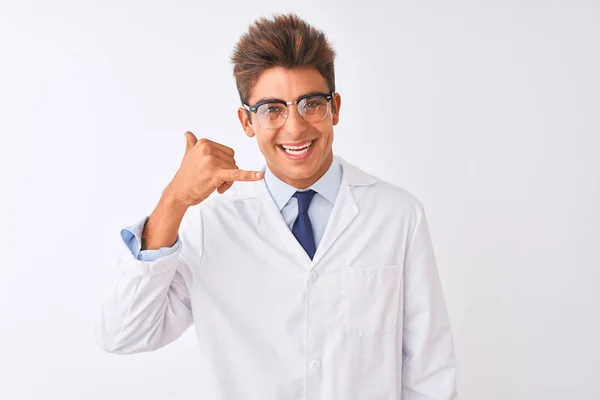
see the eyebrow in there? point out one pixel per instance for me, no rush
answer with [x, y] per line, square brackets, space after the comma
[271, 99]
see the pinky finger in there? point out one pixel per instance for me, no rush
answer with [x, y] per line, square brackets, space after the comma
[224, 187]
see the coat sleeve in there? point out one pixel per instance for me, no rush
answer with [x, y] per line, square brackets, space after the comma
[146, 304]
[429, 365]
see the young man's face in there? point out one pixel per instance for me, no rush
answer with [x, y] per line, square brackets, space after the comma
[298, 168]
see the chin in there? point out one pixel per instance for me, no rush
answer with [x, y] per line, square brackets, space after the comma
[297, 168]
[299, 175]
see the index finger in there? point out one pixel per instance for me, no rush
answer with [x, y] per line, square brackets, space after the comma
[230, 175]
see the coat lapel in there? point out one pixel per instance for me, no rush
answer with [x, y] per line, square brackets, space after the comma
[345, 208]
[272, 227]
[343, 213]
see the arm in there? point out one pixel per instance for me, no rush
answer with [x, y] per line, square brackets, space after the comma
[132, 237]
[156, 236]
[428, 352]
[147, 303]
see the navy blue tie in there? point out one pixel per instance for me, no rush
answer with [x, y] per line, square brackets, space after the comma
[302, 228]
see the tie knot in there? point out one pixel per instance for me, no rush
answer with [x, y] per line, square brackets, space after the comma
[304, 199]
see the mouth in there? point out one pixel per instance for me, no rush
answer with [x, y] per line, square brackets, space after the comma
[298, 152]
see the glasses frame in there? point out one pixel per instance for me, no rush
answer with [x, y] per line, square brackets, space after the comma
[254, 108]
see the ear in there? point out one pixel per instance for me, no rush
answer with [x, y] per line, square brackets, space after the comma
[337, 104]
[245, 121]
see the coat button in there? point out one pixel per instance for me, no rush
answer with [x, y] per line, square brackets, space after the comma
[315, 364]
[312, 276]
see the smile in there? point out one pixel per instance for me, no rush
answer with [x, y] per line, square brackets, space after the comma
[297, 152]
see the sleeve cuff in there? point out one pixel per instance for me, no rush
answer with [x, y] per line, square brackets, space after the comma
[131, 236]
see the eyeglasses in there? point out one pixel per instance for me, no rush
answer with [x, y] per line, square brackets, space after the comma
[273, 113]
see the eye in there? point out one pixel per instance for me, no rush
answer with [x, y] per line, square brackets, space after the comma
[314, 102]
[271, 110]
[314, 105]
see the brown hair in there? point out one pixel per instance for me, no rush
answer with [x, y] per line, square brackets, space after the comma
[285, 41]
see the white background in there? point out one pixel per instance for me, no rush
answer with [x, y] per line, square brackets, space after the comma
[487, 111]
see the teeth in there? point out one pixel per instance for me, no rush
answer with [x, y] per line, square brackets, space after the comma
[296, 148]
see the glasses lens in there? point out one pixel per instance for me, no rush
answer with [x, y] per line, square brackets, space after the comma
[313, 109]
[272, 115]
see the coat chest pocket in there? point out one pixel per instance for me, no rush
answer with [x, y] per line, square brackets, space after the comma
[370, 299]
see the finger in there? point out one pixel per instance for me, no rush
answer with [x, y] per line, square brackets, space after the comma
[227, 150]
[224, 187]
[221, 155]
[223, 162]
[235, 174]
[190, 140]
[225, 165]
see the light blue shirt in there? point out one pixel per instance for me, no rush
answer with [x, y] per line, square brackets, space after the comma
[327, 188]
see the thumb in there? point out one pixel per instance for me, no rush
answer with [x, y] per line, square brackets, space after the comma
[190, 141]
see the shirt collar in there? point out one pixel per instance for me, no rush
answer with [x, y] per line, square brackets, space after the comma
[327, 186]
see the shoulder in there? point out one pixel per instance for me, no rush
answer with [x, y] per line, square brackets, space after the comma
[396, 196]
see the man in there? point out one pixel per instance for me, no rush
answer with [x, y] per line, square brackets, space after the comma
[310, 279]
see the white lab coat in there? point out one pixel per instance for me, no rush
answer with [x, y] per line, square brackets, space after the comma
[366, 319]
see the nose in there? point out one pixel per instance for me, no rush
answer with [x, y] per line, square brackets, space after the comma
[294, 125]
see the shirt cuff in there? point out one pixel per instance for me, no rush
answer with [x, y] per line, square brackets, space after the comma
[132, 234]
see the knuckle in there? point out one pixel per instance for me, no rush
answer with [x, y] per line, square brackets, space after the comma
[203, 144]
[214, 169]
[207, 162]
[206, 150]
[216, 175]
[208, 169]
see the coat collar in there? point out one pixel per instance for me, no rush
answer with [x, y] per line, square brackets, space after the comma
[270, 222]
[353, 175]
[327, 186]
